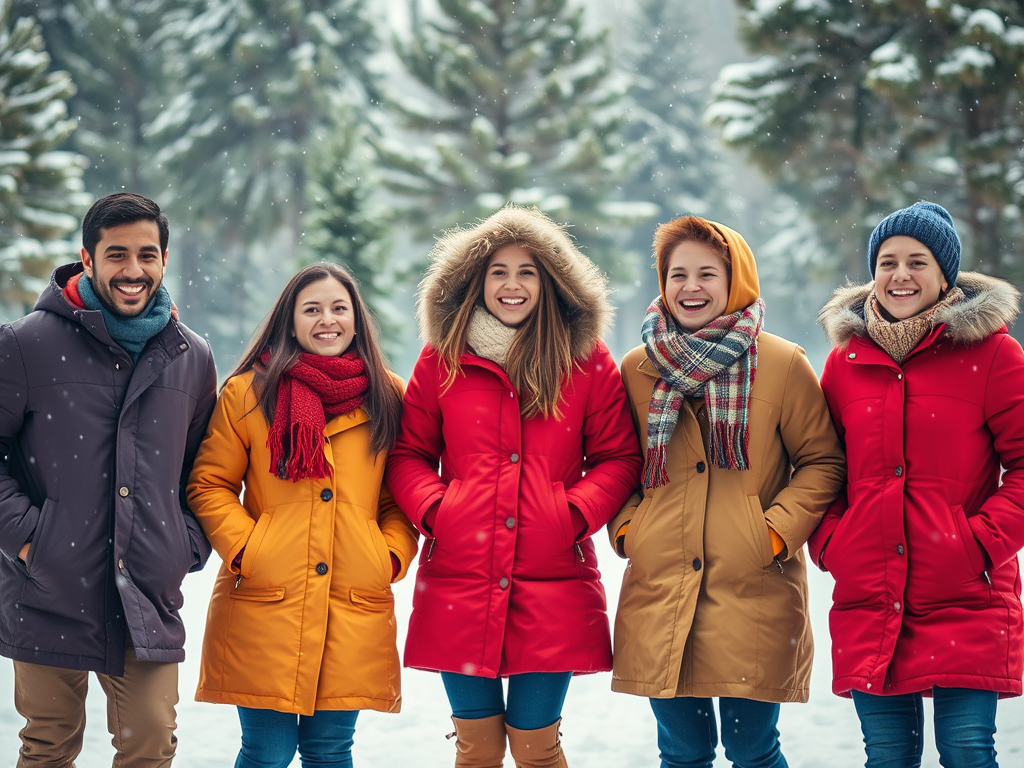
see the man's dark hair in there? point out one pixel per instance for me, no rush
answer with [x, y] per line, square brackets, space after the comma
[117, 209]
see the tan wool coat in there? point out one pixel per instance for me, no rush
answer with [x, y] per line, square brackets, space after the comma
[705, 609]
[308, 621]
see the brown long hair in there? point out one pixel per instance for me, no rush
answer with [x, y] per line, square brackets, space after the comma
[540, 357]
[383, 401]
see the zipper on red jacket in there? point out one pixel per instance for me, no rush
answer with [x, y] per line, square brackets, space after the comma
[430, 549]
[579, 552]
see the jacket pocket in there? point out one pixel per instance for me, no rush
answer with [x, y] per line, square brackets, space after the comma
[253, 545]
[447, 503]
[39, 537]
[563, 516]
[257, 595]
[975, 554]
[380, 546]
[759, 530]
[635, 523]
[372, 600]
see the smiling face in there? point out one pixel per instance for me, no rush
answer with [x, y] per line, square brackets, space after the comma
[908, 279]
[323, 320]
[511, 285]
[126, 266]
[696, 284]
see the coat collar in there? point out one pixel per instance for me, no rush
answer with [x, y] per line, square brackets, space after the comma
[989, 306]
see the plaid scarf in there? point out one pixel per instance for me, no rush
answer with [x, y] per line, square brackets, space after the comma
[718, 361]
[316, 387]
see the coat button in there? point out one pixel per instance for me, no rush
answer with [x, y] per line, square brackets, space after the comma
[700, 466]
[503, 583]
[120, 564]
[123, 491]
[899, 471]
[852, 355]
[899, 549]
[896, 606]
[117, 366]
[514, 458]
[899, 377]
[321, 568]
[326, 494]
[510, 522]
[697, 564]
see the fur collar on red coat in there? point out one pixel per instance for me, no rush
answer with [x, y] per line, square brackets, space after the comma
[989, 305]
[458, 254]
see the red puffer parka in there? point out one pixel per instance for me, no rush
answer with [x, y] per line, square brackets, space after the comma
[506, 585]
[923, 545]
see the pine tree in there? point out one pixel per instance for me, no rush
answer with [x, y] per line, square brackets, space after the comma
[859, 108]
[120, 60]
[346, 223]
[260, 79]
[41, 191]
[521, 106]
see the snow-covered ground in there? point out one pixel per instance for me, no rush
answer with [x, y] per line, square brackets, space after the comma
[600, 729]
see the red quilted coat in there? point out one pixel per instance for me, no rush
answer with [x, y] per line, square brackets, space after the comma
[923, 546]
[506, 583]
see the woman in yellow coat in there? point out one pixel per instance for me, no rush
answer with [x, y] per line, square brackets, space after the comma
[301, 627]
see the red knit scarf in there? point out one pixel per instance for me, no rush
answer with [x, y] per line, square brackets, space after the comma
[316, 387]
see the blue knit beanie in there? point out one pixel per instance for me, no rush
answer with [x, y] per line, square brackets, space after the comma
[928, 223]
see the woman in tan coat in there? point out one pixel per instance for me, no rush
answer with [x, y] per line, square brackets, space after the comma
[301, 628]
[741, 462]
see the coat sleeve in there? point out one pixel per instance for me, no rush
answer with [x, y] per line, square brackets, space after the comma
[999, 524]
[18, 516]
[196, 430]
[218, 472]
[823, 533]
[610, 447]
[819, 466]
[412, 469]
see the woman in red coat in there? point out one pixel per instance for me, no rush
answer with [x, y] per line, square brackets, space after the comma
[926, 388]
[520, 403]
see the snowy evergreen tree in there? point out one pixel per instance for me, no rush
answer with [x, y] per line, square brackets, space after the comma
[260, 79]
[41, 190]
[519, 104]
[857, 108]
[118, 57]
[346, 222]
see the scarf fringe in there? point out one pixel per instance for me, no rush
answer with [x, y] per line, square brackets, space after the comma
[655, 474]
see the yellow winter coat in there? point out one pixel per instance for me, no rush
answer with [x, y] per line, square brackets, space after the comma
[705, 609]
[309, 621]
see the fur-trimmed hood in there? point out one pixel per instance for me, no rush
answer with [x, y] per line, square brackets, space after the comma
[582, 288]
[988, 305]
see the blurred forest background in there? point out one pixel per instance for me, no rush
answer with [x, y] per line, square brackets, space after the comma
[281, 132]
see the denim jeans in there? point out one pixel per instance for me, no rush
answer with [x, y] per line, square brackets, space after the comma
[965, 726]
[688, 735]
[534, 699]
[270, 738]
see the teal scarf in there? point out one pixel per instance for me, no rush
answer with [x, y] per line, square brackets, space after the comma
[131, 333]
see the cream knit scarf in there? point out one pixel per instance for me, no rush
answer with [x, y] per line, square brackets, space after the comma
[488, 337]
[899, 339]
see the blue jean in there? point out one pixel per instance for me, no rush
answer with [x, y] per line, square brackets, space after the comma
[688, 734]
[965, 726]
[270, 738]
[534, 699]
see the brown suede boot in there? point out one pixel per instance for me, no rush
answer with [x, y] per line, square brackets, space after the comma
[479, 743]
[538, 748]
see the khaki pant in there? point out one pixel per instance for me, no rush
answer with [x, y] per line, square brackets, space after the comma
[140, 713]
